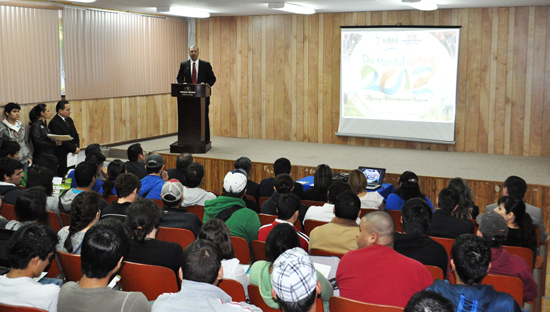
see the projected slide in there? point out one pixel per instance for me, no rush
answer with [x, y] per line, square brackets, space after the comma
[399, 83]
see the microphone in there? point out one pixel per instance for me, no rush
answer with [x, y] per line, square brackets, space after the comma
[186, 70]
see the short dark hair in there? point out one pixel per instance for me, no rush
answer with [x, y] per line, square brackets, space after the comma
[194, 174]
[49, 161]
[216, 231]
[92, 148]
[30, 205]
[415, 216]
[183, 161]
[95, 157]
[347, 205]
[8, 167]
[283, 183]
[84, 173]
[134, 151]
[282, 165]
[335, 189]
[281, 238]
[300, 305]
[60, 105]
[41, 176]
[448, 199]
[102, 247]
[9, 148]
[29, 241]
[516, 187]
[428, 301]
[243, 163]
[322, 179]
[201, 261]
[471, 255]
[126, 183]
[142, 216]
[287, 205]
[84, 209]
[9, 107]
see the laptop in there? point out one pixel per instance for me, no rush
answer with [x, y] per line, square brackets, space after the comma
[4, 262]
[375, 177]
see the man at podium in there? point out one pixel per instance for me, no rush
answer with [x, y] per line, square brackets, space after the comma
[198, 71]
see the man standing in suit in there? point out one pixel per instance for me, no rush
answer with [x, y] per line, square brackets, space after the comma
[198, 71]
[63, 124]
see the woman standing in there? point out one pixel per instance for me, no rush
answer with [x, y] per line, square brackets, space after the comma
[11, 129]
[39, 131]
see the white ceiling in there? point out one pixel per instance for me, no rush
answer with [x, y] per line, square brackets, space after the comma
[259, 7]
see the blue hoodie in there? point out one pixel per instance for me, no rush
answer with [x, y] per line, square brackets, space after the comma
[475, 298]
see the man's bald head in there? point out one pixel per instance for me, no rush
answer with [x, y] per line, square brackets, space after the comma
[377, 227]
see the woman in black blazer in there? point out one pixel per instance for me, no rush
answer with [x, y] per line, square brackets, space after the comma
[39, 131]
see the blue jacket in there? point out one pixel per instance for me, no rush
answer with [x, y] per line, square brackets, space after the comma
[152, 186]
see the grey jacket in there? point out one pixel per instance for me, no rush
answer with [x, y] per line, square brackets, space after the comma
[17, 133]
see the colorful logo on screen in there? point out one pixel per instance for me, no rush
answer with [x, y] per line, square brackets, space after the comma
[371, 175]
[400, 78]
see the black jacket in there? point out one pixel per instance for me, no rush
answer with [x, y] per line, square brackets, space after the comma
[40, 141]
[445, 225]
[422, 249]
[58, 126]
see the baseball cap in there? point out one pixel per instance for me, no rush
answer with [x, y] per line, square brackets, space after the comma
[493, 224]
[154, 161]
[173, 188]
[294, 276]
[234, 181]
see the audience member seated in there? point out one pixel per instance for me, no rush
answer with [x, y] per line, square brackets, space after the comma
[104, 247]
[127, 186]
[136, 159]
[493, 228]
[340, 235]
[281, 165]
[144, 220]
[43, 177]
[282, 238]
[443, 223]
[29, 251]
[471, 257]
[283, 185]
[375, 273]
[172, 215]
[408, 188]
[94, 155]
[414, 243]
[321, 182]
[85, 210]
[516, 187]
[30, 206]
[287, 212]
[182, 162]
[428, 301]
[201, 271]
[325, 213]
[11, 149]
[11, 173]
[467, 209]
[231, 208]
[358, 184]
[114, 169]
[193, 194]
[294, 281]
[252, 188]
[216, 231]
[47, 161]
[152, 184]
[85, 176]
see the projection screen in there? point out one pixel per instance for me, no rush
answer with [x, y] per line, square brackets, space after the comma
[399, 83]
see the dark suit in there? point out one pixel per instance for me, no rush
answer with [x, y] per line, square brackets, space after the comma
[58, 126]
[206, 75]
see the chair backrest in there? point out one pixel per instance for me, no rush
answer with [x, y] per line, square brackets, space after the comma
[158, 202]
[8, 212]
[53, 270]
[322, 252]
[475, 225]
[110, 199]
[252, 198]
[309, 225]
[10, 308]
[396, 216]
[182, 237]
[54, 221]
[310, 203]
[258, 249]
[197, 210]
[508, 284]
[436, 272]
[524, 252]
[341, 304]
[257, 300]
[151, 280]
[242, 251]
[234, 289]
[65, 218]
[266, 219]
[364, 211]
[262, 200]
[446, 242]
[71, 266]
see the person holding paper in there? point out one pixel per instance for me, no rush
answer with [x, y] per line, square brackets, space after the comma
[63, 124]
[39, 131]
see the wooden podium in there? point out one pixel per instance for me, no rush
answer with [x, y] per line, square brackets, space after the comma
[191, 118]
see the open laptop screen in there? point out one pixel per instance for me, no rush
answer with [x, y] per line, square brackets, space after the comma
[375, 176]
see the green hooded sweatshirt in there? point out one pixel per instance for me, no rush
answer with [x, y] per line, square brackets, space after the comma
[243, 223]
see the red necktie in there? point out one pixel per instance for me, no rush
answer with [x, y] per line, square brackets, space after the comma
[194, 74]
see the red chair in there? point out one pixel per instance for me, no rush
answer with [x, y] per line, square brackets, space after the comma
[322, 252]
[258, 249]
[524, 252]
[53, 270]
[53, 220]
[310, 203]
[309, 225]
[65, 219]
[8, 212]
[446, 242]
[364, 211]
[110, 199]
[436, 272]
[252, 198]
[508, 284]
[182, 237]
[262, 200]
[266, 219]
[234, 289]
[70, 264]
[158, 202]
[396, 216]
[257, 300]
[341, 304]
[10, 308]
[242, 251]
[197, 210]
[151, 280]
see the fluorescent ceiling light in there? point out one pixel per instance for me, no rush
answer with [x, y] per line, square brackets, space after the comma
[183, 11]
[289, 7]
[83, 1]
[423, 5]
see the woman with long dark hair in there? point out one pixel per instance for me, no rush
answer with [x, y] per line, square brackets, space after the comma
[408, 188]
[321, 181]
[521, 230]
[467, 209]
[39, 131]
[114, 169]
[30, 206]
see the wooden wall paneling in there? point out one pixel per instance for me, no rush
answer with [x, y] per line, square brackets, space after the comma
[269, 61]
[279, 88]
[320, 78]
[238, 77]
[264, 89]
[537, 93]
[223, 119]
[509, 81]
[502, 80]
[216, 114]
[246, 77]
[337, 21]
[300, 62]
[257, 76]
[529, 81]
[491, 84]
[313, 76]
[234, 101]
[484, 81]
[305, 59]
[546, 100]
[462, 86]
[288, 85]
[473, 82]
[328, 64]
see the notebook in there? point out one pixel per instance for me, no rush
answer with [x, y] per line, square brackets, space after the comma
[375, 176]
